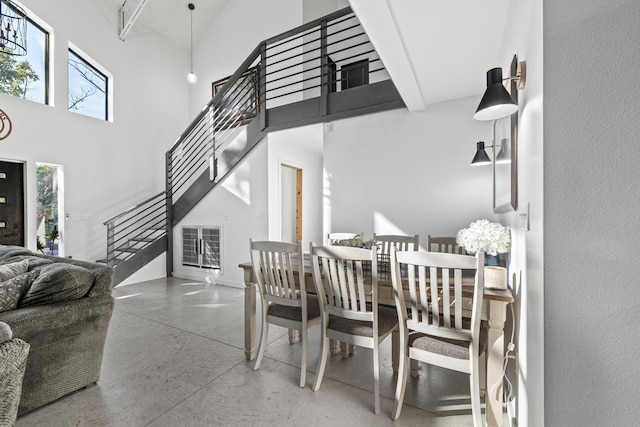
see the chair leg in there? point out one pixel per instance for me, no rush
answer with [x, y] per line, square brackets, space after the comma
[333, 345]
[322, 362]
[415, 368]
[263, 344]
[303, 363]
[376, 379]
[474, 383]
[401, 387]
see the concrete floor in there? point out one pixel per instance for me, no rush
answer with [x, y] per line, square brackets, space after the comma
[175, 357]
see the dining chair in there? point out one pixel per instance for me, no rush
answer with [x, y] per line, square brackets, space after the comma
[332, 238]
[349, 307]
[444, 244]
[279, 271]
[386, 242]
[434, 329]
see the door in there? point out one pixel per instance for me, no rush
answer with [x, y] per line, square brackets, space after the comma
[290, 203]
[12, 203]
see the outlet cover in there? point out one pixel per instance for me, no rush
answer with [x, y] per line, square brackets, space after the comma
[523, 214]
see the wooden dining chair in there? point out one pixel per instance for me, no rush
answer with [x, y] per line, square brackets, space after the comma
[386, 242]
[333, 238]
[279, 271]
[349, 308]
[444, 244]
[440, 326]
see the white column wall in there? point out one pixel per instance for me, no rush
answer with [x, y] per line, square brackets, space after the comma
[591, 211]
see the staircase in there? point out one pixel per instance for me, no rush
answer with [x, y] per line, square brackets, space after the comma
[321, 71]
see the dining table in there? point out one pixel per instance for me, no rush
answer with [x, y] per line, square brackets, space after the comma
[494, 312]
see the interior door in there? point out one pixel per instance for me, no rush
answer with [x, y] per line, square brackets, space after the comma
[12, 203]
[290, 204]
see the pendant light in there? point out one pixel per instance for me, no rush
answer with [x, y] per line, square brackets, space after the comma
[13, 29]
[191, 77]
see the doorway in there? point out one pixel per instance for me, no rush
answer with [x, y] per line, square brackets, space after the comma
[49, 209]
[12, 203]
[290, 203]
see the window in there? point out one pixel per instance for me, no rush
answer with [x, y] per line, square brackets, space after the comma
[355, 74]
[28, 76]
[49, 209]
[88, 87]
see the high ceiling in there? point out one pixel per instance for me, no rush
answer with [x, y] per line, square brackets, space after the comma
[172, 17]
[434, 50]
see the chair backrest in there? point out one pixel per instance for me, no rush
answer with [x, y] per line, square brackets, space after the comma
[444, 244]
[279, 268]
[399, 241]
[339, 278]
[332, 238]
[439, 310]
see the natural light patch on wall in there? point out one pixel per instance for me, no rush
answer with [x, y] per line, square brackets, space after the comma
[238, 183]
[383, 225]
[326, 201]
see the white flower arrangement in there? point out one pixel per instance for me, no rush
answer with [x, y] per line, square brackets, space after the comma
[489, 237]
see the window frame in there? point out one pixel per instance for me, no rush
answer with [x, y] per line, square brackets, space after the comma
[100, 71]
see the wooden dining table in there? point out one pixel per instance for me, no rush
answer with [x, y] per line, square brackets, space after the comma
[494, 311]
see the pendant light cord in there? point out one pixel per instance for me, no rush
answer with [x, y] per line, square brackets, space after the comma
[191, 7]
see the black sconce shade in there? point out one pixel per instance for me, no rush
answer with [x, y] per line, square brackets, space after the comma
[496, 102]
[481, 157]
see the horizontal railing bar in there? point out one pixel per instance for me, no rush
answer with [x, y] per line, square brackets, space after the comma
[304, 27]
[143, 211]
[314, 86]
[306, 70]
[313, 50]
[253, 56]
[120, 215]
[309, 31]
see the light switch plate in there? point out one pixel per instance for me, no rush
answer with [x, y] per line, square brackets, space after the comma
[523, 214]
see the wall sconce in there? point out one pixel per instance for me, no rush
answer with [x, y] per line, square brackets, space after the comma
[481, 157]
[496, 102]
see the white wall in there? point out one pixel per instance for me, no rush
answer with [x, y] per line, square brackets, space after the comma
[108, 167]
[302, 148]
[523, 36]
[239, 204]
[591, 212]
[407, 173]
[233, 36]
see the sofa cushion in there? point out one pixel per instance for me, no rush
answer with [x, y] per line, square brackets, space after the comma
[34, 261]
[7, 252]
[13, 289]
[58, 282]
[11, 270]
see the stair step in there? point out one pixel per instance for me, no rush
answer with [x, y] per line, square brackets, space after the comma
[142, 239]
[127, 249]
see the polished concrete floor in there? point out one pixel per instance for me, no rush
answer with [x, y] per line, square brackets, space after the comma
[175, 357]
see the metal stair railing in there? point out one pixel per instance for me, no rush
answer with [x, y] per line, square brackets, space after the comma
[330, 54]
[136, 228]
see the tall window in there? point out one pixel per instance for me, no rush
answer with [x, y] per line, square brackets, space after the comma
[88, 87]
[28, 76]
[49, 209]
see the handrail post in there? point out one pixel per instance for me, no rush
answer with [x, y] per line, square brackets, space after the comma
[262, 86]
[324, 69]
[169, 217]
[110, 243]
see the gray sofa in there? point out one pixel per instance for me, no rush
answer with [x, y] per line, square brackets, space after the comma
[61, 308]
[13, 361]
